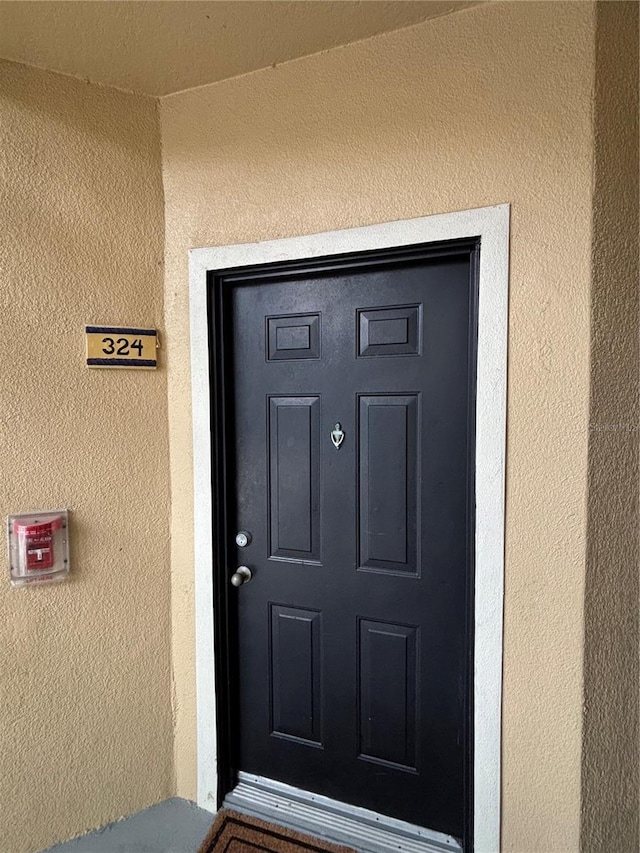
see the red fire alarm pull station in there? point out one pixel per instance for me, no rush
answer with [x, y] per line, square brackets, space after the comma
[38, 547]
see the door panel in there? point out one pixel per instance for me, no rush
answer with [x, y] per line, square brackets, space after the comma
[351, 645]
[388, 693]
[294, 477]
[387, 487]
[295, 667]
[389, 331]
[293, 337]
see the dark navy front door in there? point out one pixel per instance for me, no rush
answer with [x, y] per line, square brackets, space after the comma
[351, 384]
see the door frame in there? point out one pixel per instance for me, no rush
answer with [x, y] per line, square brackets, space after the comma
[491, 226]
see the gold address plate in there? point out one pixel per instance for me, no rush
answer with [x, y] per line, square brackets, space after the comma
[121, 346]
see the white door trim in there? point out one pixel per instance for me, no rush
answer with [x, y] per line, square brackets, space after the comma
[491, 224]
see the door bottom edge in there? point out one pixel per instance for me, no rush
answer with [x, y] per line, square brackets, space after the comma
[340, 823]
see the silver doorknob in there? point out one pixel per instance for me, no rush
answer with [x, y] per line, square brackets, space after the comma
[241, 575]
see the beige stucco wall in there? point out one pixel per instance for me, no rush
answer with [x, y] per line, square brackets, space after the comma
[485, 106]
[85, 716]
[493, 104]
[611, 747]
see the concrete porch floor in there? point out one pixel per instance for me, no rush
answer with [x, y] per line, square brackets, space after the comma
[173, 826]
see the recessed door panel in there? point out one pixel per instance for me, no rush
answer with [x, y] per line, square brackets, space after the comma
[295, 667]
[293, 337]
[294, 500]
[388, 488]
[389, 331]
[388, 693]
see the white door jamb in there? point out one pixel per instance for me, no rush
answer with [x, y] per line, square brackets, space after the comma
[491, 225]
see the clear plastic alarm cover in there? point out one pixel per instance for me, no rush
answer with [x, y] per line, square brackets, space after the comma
[38, 545]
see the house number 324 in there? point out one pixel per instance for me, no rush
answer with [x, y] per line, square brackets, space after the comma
[121, 346]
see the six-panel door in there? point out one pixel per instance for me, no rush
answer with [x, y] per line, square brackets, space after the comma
[353, 634]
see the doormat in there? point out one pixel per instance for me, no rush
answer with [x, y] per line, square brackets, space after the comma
[236, 833]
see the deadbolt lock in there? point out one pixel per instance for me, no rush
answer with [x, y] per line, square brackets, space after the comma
[243, 538]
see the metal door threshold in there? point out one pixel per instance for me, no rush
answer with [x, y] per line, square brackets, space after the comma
[322, 817]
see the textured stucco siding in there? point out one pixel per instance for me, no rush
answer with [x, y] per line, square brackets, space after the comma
[85, 716]
[490, 105]
[534, 104]
[611, 739]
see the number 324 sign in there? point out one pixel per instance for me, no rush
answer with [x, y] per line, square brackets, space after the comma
[116, 346]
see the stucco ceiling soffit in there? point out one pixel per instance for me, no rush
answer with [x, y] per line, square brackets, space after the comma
[158, 48]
